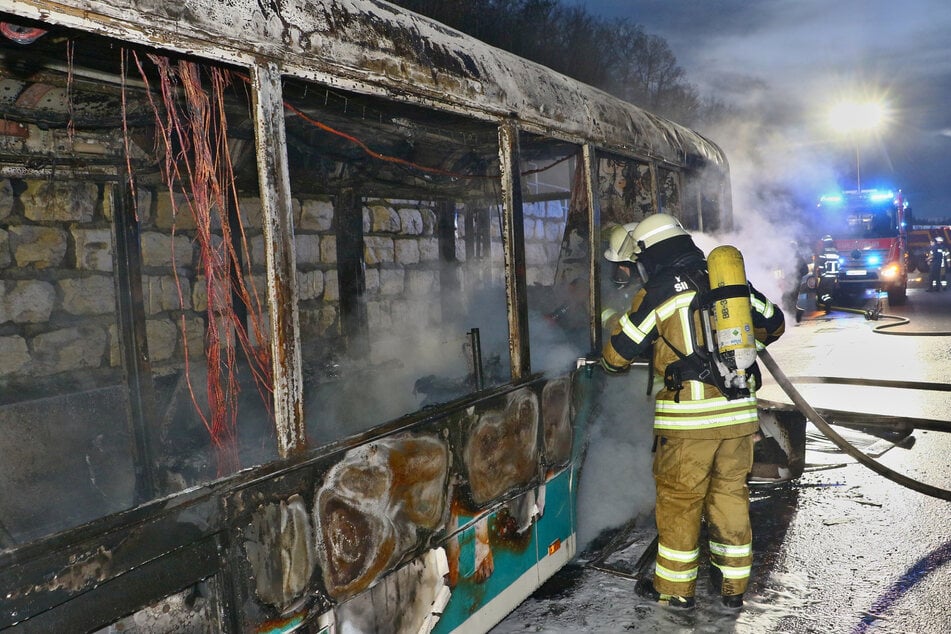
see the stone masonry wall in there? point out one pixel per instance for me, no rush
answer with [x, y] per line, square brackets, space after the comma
[57, 288]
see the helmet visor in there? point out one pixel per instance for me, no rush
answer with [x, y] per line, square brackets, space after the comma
[628, 249]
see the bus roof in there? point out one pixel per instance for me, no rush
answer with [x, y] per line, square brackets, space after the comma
[374, 47]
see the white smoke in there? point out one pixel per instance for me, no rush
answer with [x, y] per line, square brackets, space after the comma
[616, 480]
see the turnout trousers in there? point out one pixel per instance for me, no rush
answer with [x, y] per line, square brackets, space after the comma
[697, 478]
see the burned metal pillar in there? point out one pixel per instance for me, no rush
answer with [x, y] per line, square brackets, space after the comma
[513, 245]
[133, 342]
[351, 271]
[590, 162]
[237, 299]
[469, 232]
[274, 183]
[655, 187]
[449, 265]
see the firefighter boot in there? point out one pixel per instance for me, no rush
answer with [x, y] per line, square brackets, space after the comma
[645, 589]
[732, 601]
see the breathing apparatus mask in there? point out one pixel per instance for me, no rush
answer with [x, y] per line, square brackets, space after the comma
[620, 251]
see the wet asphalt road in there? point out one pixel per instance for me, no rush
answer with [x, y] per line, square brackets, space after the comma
[842, 549]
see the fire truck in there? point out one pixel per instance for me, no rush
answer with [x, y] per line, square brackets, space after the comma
[867, 229]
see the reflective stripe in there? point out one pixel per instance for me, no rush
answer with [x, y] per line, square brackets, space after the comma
[704, 414]
[679, 305]
[634, 333]
[674, 304]
[730, 550]
[697, 390]
[704, 422]
[764, 308]
[735, 572]
[683, 556]
[685, 329]
[676, 576]
[712, 405]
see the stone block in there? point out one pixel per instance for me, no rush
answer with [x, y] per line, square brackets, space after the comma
[316, 215]
[7, 198]
[251, 212]
[163, 337]
[378, 250]
[5, 258]
[411, 221]
[29, 302]
[406, 252]
[93, 249]
[372, 281]
[94, 295]
[310, 285]
[60, 201]
[70, 349]
[256, 245]
[379, 315]
[429, 249]
[392, 281]
[422, 282]
[161, 293]
[328, 249]
[428, 216]
[384, 219]
[307, 249]
[40, 247]
[172, 210]
[199, 295]
[331, 287]
[157, 250]
[14, 355]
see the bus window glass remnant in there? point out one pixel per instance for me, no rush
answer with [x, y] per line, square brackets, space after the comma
[398, 254]
[626, 195]
[715, 202]
[625, 190]
[556, 252]
[121, 215]
[668, 193]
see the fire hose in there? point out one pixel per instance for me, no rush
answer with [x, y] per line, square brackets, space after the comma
[817, 419]
[875, 314]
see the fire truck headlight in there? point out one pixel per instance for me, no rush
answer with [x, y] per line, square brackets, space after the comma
[890, 272]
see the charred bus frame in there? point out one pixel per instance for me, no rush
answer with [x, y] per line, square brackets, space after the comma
[315, 530]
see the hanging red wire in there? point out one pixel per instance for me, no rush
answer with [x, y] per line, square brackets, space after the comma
[192, 130]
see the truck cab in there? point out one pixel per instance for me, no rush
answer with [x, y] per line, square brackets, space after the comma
[867, 228]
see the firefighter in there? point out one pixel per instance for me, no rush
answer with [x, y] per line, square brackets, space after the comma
[618, 295]
[936, 258]
[703, 441]
[827, 270]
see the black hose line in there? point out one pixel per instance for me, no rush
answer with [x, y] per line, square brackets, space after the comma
[874, 314]
[816, 418]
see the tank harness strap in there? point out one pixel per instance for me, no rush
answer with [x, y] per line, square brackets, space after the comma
[684, 369]
[726, 292]
[650, 370]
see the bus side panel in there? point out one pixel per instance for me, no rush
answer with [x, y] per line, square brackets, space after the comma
[496, 568]
[521, 565]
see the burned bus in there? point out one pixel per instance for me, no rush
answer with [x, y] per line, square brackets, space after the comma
[292, 297]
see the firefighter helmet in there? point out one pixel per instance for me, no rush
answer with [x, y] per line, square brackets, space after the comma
[621, 244]
[655, 228]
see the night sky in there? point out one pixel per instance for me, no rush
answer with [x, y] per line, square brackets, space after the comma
[785, 63]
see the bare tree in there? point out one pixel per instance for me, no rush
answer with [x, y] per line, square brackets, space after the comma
[617, 56]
